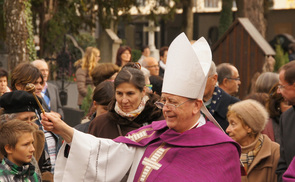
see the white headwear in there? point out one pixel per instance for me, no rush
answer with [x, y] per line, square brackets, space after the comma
[187, 67]
[187, 70]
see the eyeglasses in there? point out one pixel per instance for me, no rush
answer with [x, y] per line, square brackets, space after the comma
[154, 66]
[280, 86]
[236, 79]
[161, 104]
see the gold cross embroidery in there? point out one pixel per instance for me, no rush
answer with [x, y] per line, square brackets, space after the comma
[152, 163]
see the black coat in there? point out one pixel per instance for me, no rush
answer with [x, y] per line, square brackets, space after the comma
[287, 133]
[222, 108]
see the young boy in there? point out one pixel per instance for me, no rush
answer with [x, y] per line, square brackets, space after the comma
[16, 145]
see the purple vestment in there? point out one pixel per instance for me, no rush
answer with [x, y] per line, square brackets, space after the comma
[200, 154]
[289, 175]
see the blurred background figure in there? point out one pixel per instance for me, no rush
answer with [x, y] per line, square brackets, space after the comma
[266, 81]
[275, 105]
[123, 56]
[162, 62]
[84, 68]
[50, 96]
[131, 107]
[260, 155]
[145, 52]
[152, 65]
[102, 96]
[156, 82]
[3, 82]
[291, 51]
[104, 71]
[228, 78]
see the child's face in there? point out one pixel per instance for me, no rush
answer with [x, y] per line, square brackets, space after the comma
[23, 150]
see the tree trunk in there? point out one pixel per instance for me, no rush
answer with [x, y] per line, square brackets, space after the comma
[188, 18]
[226, 16]
[46, 13]
[254, 10]
[16, 32]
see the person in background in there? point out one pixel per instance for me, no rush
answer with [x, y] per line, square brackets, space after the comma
[260, 155]
[102, 96]
[3, 81]
[228, 78]
[130, 108]
[25, 73]
[104, 71]
[266, 81]
[145, 52]
[123, 56]
[291, 51]
[17, 146]
[287, 125]
[84, 68]
[275, 105]
[162, 62]
[156, 82]
[215, 99]
[152, 65]
[50, 95]
[183, 147]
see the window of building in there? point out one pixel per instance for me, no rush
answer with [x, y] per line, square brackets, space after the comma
[211, 3]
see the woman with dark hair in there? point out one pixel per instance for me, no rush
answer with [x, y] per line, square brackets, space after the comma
[130, 109]
[275, 106]
[25, 73]
[102, 96]
[3, 81]
[123, 56]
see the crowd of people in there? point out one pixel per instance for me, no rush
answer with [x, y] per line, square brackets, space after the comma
[174, 119]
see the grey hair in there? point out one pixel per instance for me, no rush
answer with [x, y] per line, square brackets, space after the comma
[212, 70]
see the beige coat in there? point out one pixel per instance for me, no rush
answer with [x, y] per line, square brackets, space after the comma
[83, 80]
[265, 163]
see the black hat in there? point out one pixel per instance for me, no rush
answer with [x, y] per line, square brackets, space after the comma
[18, 101]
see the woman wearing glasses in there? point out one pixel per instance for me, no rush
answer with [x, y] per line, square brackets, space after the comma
[131, 107]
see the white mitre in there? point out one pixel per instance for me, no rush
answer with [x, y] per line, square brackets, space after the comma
[187, 70]
[187, 67]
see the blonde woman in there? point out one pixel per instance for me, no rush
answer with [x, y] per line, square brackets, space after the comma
[84, 69]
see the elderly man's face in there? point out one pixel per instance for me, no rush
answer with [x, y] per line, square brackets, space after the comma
[153, 66]
[234, 82]
[287, 90]
[180, 112]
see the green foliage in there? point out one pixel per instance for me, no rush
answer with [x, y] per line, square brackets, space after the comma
[136, 54]
[280, 57]
[226, 16]
[87, 101]
[64, 21]
[30, 40]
